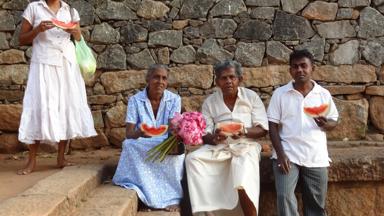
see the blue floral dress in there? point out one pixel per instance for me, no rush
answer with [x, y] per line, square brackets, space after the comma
[157, 184]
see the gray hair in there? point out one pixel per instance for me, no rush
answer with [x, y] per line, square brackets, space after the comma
[221, 66]
[154, 68]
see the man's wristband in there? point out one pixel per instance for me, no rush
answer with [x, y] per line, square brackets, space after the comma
[245, 132]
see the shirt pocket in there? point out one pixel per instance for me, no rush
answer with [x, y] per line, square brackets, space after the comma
[291, 109]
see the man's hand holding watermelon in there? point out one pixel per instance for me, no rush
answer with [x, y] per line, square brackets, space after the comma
[324, 123]
[218, 137]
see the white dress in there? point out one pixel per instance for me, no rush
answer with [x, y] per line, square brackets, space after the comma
[55, 103]
[216, 172]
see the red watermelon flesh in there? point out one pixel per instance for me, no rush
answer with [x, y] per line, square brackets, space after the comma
[317, 111]
[154, 131]
[63, 25]
[230, 128]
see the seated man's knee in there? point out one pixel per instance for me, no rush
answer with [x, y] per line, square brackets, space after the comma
[189, 158]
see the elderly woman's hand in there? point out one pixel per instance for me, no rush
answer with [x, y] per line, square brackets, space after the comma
[140, 133]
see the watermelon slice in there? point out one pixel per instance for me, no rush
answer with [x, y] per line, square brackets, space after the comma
[63, 25]
[154, 131]
[230, 128]
[317, 111]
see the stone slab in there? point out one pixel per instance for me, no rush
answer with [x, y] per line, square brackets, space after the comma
[36, 204]
[375, 90]
[57, 194]
[357, 164]
[271, 75]
[348, 89]
[110, 200]
[345, 73]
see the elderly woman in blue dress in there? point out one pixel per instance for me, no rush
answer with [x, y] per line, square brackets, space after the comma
[157, 184]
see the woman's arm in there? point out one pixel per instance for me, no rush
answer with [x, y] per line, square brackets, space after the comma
[75, 32]
[131, 133]
[28, 33]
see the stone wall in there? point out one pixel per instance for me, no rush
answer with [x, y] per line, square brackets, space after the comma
[346, 37]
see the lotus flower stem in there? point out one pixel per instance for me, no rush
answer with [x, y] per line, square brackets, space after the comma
[159, 147]
[157, 151]
[167, 150]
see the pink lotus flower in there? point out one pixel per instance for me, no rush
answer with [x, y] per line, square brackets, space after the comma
[189, 127]
[175, 120]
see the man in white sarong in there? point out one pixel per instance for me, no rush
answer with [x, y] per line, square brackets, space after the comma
[226, 169]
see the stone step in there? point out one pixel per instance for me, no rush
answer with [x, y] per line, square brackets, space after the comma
[108, 200]
[57, 194]
[158, 213]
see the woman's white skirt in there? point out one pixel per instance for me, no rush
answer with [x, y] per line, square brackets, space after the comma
[55, 105]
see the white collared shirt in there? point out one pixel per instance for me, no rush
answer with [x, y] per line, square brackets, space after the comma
[303, 141]
[51, 46]
[249, 109]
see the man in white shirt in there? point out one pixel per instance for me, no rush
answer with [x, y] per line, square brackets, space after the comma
[225, 171]
[299, 140]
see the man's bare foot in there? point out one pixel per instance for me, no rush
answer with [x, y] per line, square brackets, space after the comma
[28, 168]
[63, 163]
[173, 208]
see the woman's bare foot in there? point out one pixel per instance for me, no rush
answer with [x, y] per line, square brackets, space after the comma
[172, 208]
[28, 168]
[63, 163]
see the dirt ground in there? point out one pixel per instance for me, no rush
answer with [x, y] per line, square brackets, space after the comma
[12, 184]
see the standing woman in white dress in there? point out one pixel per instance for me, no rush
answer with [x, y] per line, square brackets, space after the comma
[55, 105]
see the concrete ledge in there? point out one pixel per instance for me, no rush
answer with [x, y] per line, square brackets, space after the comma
[57, 194]
[109, 200]
[355, 185]
[357, 164]
[361, 163]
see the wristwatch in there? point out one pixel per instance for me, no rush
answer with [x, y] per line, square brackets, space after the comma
[245, 131]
